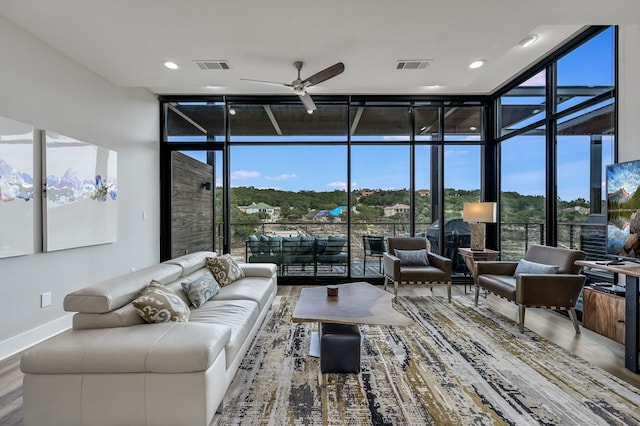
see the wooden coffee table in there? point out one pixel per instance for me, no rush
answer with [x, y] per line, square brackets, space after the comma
[356, 303]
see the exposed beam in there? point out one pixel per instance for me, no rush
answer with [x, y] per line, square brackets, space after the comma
[172, 107]
[273, 120]
[356, 119]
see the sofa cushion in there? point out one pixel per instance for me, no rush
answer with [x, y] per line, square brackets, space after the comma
[159, 303]
[116, 292]
[239, 315]
[257, 289]
[412, 257]
[200, 289]
[335, 245]
[527, 267]
[152, 348]
[224, 269]
[502, 285]
[191, 262]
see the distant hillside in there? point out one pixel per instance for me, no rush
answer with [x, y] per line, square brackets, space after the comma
[369, 206]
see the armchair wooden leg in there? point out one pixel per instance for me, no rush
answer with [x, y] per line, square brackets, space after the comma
[477, 294]
[395, 288]
[386, 278]
[521, 318]
[574, 319]
[449, 291]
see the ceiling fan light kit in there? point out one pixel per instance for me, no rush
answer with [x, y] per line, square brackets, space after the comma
[300, 86]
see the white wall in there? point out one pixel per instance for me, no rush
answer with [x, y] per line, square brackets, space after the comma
[629, 93]
[41, 87]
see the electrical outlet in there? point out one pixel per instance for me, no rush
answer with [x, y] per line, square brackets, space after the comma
[132, 269]
[45, 299]
[145, 215]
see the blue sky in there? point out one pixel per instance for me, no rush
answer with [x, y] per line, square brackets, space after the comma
[386, 166]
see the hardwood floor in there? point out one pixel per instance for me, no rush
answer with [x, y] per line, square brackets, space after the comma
[598, 350]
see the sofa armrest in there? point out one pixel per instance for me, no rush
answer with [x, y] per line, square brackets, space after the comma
[176, 347]
[391, 265]
[495, 267]
[264, 270]
[440, 262]
[551, 290]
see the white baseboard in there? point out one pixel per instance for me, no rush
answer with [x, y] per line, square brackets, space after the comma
[22, 341]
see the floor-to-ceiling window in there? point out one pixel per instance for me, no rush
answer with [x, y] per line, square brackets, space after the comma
[556, 132]
[308, 191]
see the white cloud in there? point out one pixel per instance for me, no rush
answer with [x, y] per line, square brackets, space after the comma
[338, 185]
[244, 174]
[283, 176]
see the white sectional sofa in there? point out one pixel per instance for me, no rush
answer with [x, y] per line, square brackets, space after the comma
[113, 368]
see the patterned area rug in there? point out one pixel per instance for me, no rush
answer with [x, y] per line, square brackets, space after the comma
[457, 365]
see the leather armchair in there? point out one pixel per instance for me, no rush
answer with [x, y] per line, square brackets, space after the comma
[540, 290]
[438, 270]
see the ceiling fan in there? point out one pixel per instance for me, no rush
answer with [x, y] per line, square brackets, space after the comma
[300, 86]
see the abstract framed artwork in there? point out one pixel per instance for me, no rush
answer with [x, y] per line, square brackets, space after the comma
[81, 187]
[16, 188]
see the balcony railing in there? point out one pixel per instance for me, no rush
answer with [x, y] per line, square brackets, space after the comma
[515, 239]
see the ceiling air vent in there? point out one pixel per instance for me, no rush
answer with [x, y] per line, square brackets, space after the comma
[419, 64]
[213, 65]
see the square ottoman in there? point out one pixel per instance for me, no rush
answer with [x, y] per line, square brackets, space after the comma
[339, 348]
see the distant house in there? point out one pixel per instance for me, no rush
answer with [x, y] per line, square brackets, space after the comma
[423, 192]
[273, 212]
[364, 193]
[395, 209]
[579, 209]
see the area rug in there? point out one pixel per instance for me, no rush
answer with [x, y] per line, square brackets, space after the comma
[458, 365]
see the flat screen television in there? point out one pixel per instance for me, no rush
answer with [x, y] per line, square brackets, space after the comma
[623, 211]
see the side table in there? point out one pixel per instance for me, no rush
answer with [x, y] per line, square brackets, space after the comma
[471, 256]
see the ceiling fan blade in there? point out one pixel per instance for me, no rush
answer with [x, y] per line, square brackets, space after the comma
[325, 74]
[307, 102]
[273, 83]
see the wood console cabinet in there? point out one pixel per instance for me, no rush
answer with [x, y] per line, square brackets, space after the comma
[604, 313]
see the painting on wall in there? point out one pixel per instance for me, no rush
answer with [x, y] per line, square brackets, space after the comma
[81, 193]
[16, 188]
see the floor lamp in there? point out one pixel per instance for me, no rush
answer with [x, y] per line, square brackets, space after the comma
[477, 215]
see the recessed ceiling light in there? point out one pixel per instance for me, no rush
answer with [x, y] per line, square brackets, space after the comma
[528, 40]
[213, 87]
[171, 65]
[477, 63]
[309, 111]
[432, 86]
[473, 128]
[232, 111]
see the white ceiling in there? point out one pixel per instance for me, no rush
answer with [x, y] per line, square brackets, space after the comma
[126, 41]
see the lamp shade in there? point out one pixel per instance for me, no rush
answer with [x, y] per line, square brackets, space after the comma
[479, 212]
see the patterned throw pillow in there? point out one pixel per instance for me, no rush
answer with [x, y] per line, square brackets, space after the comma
[159, 303]
[412, 257]
[224, 269]
[201, 289]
